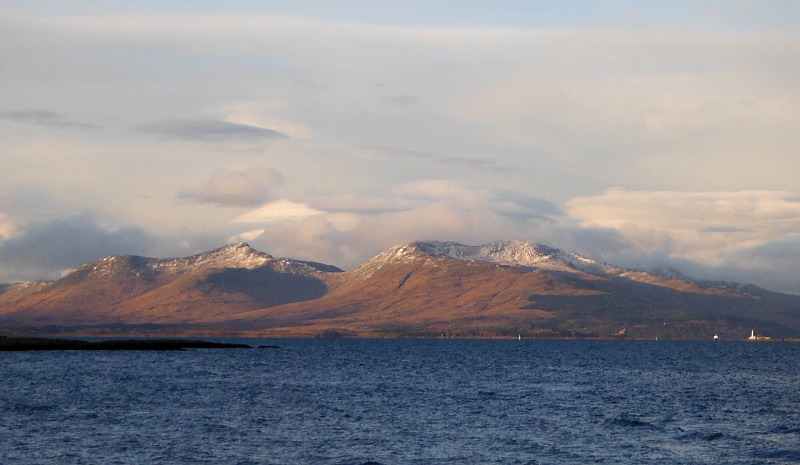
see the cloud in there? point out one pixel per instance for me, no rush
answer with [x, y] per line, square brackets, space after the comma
[463, 195]
[639, 109]
[749, 214]
[237, 188]
[380, 152]
[743, 235]
[310, 238]
[8, 228]
[472, 161]
[280, 210]
[44, 118]
[514, 113]
[364, 204]
[773, 264]
[209, 130]
[246, 236]
[463, 161]
[320, 238]
[347, 230]
[47, 250]
[263, 114]
[746, 236]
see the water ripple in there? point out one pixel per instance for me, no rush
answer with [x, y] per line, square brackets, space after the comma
[395, 402]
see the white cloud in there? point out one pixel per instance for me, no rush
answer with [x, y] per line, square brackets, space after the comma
[279, 210]
[8, 228]
[246, 236]
[264, 114]
[377, 115]
[354, 228]
[708, 227]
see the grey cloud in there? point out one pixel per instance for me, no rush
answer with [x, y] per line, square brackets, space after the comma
[44, 251]
[724, 229]
[603, 244]
[471, 161]
[209, 130]
[458, 161]
[237, 188]
[779, 277]
[523, 207]
[772, 265]
[785, 249]
[47, 249]
[44, 118]
[595, 242]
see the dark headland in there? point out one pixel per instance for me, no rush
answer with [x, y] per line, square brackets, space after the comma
[8, 343]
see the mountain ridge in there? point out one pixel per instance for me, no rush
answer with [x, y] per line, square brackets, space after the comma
[418, 288]
[237, 255]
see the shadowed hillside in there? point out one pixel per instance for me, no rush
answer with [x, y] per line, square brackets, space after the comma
[506, 288]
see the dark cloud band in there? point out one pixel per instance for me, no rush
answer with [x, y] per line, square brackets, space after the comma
[208, 130]
[43, 118]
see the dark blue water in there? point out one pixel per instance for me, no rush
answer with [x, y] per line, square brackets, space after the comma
[406, 402]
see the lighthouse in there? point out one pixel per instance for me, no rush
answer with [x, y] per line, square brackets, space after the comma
[753, 337]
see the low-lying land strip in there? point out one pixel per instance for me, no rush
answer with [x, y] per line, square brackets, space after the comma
[36, 343]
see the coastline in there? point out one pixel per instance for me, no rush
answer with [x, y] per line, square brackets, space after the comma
[16, 344]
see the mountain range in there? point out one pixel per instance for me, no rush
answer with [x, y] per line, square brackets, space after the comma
[420, 289]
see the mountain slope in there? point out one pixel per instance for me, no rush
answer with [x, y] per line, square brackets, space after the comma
[428, 288]
[421, 288]
[138, 290]
[406, 287]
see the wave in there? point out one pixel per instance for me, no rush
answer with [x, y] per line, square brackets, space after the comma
[785, 429]
[628, 422]
[781, 454]
[702, 436]
[359, 462]
[31, 408]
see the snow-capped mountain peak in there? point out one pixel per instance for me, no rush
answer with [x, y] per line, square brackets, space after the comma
[239, 255]
[509, 253]
[518, 253]
[230, 256]
[505, 252]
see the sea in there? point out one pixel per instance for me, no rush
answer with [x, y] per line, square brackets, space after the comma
[414, 401]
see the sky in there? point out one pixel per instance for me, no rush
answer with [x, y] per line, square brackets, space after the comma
[643, 134]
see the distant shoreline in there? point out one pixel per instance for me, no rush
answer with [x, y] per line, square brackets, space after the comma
[16, 344]
[24, 343]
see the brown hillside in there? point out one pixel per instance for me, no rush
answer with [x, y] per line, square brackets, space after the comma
[137, 290]
[420, 289]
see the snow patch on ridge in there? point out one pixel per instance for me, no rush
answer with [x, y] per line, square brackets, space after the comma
[401, 253]
[509, 253]
[239, 255]
[518, 253]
